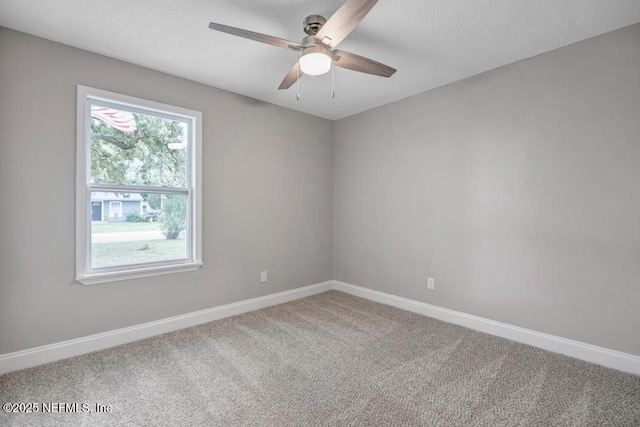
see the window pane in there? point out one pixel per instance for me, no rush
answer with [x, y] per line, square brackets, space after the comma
[137, 149]
[122, 235]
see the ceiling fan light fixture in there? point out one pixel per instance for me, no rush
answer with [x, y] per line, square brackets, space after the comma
[315, 63]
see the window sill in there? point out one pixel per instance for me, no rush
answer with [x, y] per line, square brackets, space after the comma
[116, 276]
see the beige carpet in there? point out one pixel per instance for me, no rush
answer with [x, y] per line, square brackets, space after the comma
[330, 359]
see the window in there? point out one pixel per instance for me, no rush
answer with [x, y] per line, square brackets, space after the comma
[116, 209]
[138, 191]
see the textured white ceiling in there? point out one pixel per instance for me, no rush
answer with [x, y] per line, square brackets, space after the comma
[430, 42]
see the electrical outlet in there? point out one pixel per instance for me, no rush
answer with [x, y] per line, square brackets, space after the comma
[431, 283]
[263, 276]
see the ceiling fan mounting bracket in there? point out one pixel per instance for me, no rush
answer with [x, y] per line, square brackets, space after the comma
[313, 23]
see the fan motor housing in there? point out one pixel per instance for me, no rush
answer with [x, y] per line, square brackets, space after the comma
[310, 44]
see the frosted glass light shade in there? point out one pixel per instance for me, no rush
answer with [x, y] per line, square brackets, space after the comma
[315, 63]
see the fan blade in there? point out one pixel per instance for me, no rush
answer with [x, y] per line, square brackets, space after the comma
[292, 76]
[344, 21]
[354, 62]
[275, 41]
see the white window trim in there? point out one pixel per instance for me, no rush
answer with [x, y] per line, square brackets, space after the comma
[112, 204]
[84, 274]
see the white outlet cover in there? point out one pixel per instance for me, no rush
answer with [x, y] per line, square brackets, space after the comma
[431, 283]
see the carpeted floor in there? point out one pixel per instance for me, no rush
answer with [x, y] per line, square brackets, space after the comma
[330, 359]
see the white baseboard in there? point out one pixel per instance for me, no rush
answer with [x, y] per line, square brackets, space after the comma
[590, 353]
[50, 353]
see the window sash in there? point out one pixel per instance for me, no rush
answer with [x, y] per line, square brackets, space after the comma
[192, 132]
[187, 192]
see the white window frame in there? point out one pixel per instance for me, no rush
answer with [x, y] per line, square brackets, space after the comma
[113, 203]
[84, 273]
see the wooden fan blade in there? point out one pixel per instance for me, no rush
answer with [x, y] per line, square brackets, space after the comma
[354, 62]
[344, 21]
[275, 41]
[292, 76]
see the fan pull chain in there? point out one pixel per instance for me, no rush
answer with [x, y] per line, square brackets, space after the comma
[333, 94]
[298, 79]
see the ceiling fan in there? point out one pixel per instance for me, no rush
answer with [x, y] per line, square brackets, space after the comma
[318, 50]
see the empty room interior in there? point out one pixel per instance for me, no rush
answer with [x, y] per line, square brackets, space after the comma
[286, 213]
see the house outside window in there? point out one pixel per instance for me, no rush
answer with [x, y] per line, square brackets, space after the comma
[115, 209]
[138, 204]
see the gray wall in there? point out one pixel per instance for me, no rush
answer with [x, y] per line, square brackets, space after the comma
[267, 197]
[518, 190]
